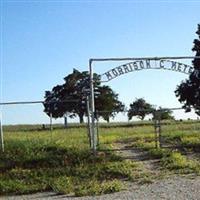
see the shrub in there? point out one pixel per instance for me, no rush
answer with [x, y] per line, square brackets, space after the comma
[94, 187]
[176, 161]
[62, 185]
[158, 153]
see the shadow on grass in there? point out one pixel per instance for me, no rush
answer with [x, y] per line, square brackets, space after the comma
[49, 157]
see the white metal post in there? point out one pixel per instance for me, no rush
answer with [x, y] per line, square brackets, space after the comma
[1, 135]
[51, 128]
[92, 109]
[88, 119]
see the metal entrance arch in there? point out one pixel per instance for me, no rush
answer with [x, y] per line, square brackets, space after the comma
[126, 68]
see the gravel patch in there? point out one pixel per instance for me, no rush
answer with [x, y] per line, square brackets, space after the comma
[173, 188]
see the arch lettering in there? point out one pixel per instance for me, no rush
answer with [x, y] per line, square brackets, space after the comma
[146, 64]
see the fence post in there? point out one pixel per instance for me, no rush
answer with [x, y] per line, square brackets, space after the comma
[157, 127]
[51, 128]
[156, 133]
[92, 110]
[97, 127]
[159, 133]
[1, 135]
[88, 120]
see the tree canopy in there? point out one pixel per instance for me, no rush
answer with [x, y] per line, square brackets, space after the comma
[71, 97]
[139, 108]
[107, 103]
[188, 92]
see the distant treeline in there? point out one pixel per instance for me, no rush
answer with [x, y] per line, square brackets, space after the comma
[42, 127]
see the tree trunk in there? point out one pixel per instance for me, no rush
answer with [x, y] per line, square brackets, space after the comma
[65, 121]
[142, 117]
[108, 120]
[81, 118]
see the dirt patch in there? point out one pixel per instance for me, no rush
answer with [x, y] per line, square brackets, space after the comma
[139, 155]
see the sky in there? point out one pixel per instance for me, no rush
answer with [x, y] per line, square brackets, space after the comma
[42, 41]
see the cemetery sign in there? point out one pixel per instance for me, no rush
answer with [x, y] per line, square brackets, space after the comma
[146, 64]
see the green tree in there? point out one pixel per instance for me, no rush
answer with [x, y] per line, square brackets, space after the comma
[188, 92]
[139, 108]
[73, 93]
[107, 103]
[166, 115]
[70, 96]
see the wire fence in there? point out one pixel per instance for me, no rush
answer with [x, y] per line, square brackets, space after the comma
[163, 129]
[167, 131]
[29, 116]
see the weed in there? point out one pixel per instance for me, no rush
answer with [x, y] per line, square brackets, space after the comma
[62, 185]
[158, 153]
[94, 187]
[176, 161]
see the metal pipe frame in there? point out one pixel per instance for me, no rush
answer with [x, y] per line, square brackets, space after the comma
[92, 104]
[33, 102]
[145, 58]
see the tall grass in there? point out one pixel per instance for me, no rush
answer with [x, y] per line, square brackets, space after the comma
[61, 160]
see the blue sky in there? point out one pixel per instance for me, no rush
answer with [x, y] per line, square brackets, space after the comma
[42, 41]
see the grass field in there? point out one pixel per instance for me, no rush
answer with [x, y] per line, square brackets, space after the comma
[39, 160]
